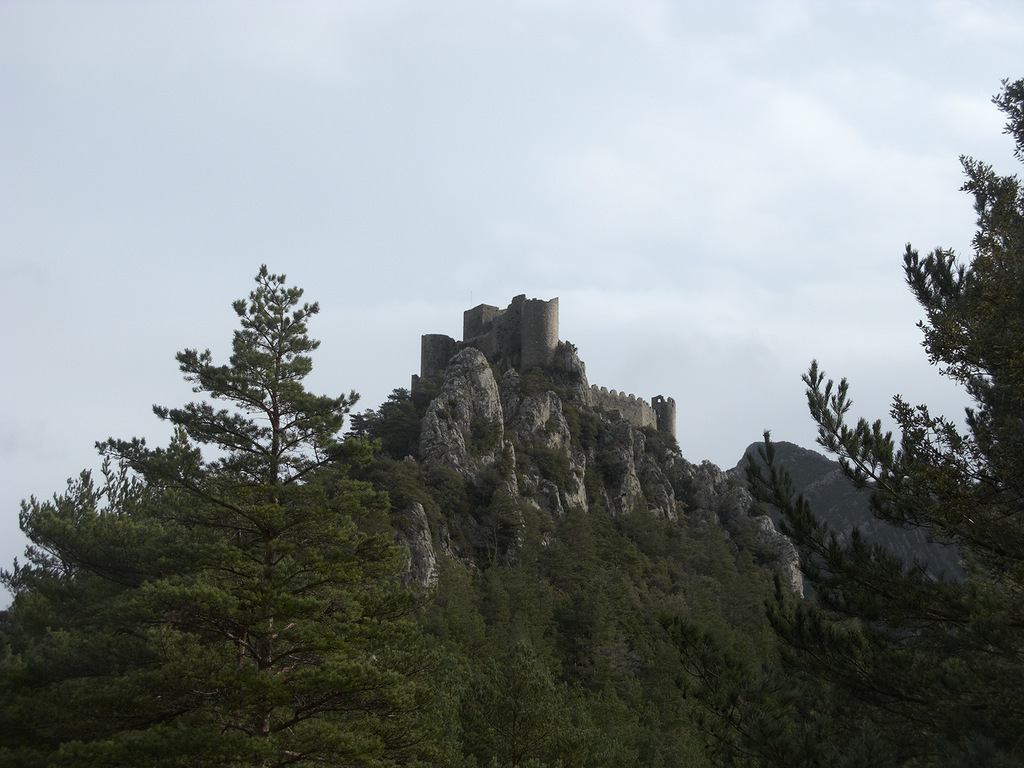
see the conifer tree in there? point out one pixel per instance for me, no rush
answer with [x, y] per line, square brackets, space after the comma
[270, 628]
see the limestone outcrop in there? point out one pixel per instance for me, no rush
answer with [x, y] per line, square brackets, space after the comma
[721, 498]
[787, 559]
[413, 530]
[464, 425]
[619, 447]
[567, 360]
[539, 440]
[516, 419]
[538, 424]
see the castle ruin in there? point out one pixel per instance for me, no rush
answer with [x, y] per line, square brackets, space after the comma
[660, 413]
[525, 333]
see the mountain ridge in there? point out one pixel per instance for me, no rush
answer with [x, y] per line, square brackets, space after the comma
[836, 502]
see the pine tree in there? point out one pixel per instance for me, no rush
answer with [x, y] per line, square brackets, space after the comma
[271, 629]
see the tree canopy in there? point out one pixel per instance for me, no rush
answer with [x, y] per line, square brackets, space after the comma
[231, 599]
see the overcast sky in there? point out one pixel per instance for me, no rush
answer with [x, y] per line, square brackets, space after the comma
[717, 192]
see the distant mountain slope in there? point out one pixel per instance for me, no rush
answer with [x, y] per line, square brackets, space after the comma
[836, 501]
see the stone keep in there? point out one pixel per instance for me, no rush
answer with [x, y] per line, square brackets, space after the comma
[525, 333]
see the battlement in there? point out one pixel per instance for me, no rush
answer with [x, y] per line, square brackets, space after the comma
[633, 409]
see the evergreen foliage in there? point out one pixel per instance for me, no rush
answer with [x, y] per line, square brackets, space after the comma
[396, 423]
[235, 610]
[565, 613]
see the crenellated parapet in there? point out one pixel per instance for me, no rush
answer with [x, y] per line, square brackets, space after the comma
[633, 409]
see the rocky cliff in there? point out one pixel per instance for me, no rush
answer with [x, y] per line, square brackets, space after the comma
[533, 443]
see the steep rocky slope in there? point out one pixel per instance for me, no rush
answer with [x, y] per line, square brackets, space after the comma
[534, 442]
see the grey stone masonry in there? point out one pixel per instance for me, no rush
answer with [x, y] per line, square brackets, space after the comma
[538, 333]
[665, 410]
[436, 350]
[633, 409]
[526, 334]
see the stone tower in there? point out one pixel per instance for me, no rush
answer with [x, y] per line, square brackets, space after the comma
[539, 333]
[436, 350]
[665, 411]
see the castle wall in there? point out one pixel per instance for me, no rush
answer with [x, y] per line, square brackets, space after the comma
[633, 409]
[526, 331]
[508, 331]
[478, 320]
[526, 334]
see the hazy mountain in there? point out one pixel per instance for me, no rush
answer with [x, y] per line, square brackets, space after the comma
[837, 502]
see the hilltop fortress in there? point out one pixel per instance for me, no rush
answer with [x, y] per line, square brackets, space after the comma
[526, 334]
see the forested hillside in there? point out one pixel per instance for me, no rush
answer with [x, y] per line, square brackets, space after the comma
[558, 540]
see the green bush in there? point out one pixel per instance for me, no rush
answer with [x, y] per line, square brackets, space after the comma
[553, 464]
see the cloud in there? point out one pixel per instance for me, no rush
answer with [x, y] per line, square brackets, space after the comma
[977, 22]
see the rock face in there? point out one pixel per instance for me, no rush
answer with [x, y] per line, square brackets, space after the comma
[413, 530]
[620, 445]
[567, 359]
[721, 498]
[536, 439]
[787, 558]
[464, 426]
[538, 423]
